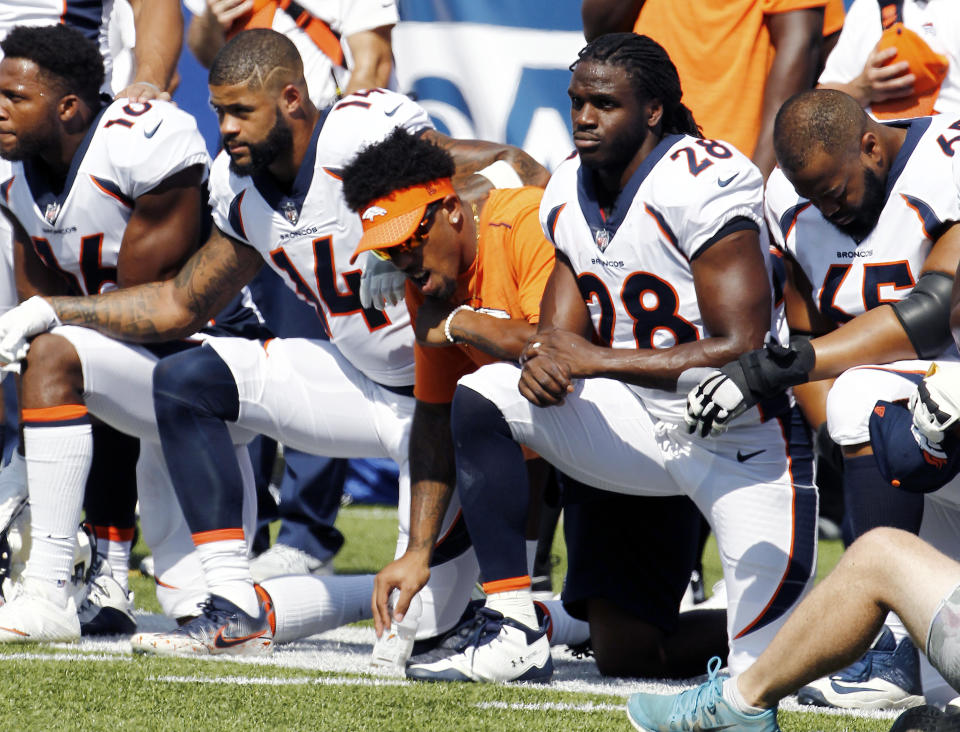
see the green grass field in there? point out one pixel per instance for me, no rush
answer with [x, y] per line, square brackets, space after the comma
[69, 687]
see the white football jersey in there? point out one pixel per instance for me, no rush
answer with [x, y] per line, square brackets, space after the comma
[90, 17]
[633, 267]
[850, 277]
[309, 235]
[130, 149]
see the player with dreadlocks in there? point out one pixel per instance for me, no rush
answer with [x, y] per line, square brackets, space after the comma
[660, 267]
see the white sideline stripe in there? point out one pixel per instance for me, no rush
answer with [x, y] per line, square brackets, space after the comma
[64, 657]
[552, 707]
[274, 681]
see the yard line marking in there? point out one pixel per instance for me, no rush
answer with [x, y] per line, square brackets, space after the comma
[278, 681]
[63, 657]
[551, 707]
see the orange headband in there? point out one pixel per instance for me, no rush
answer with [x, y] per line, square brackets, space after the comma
[393, 219]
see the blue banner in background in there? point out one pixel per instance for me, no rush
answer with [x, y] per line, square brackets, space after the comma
[561, 15]
[490, 69]
[493, 69]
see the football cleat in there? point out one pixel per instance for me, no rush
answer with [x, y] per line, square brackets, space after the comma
[924, 718]
[449, 643]
[281, 559]
[32, 614]
[221, 629]
[15, 544]
[107, 609]
[493, 649]
[702, 708]
[887, 677]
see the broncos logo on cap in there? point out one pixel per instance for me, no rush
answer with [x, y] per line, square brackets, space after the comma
[373, 212]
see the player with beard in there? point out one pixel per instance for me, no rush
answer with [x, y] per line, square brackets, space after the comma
[276, 197]
[101, 196]
[866, 218]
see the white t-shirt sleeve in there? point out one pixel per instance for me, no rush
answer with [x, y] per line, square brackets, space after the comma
[352, 16]
[861, 32]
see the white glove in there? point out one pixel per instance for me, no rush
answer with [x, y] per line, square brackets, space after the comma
[381, 284]
[714, 403]
[936, 402]
[17, 326]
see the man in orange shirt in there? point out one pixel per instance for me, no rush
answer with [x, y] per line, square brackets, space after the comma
[738, 61]
[476, 264]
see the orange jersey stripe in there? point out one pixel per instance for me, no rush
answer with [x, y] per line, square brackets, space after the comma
[54, 414]
[505, 585]
[205, 537]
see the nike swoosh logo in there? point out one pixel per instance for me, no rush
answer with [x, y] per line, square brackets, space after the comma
[725, 183]
[743, 457]
[150, 133]
[848, 689]
[393, 111]
[220, 641]
[17, 632]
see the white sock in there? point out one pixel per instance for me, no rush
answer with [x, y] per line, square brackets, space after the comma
[117, 554]
[896, 626]
[516, 604]
[58, 461]
[563, 629]
[733, 697]
[531, 555]
[227, 571]
[306, 604]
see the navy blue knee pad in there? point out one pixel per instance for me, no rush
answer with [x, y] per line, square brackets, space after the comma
[492, 483]
[195, 395]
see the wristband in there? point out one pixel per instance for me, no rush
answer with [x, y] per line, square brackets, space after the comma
[501, 175]
[147, 83]
[446, 323]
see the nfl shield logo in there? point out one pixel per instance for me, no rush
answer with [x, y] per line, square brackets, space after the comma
[290, 212]
[603, 238]
[51, 213]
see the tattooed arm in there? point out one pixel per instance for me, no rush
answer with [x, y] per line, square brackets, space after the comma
[473, 155]
[432, 478]
[162, 311]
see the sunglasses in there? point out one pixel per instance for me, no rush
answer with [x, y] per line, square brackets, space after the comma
[418, 239]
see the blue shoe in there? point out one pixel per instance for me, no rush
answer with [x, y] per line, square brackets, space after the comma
[887, 677]
[222, 628]
[700, 709]
[491, 649]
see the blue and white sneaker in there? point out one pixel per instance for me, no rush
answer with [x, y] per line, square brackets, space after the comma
[886, 677]
[492, 649]
[222, 628]
[701, 709]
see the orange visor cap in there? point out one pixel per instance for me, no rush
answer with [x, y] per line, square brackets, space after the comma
[393, 219]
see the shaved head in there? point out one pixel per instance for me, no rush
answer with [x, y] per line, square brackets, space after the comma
[819, 120]
[259, 59]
